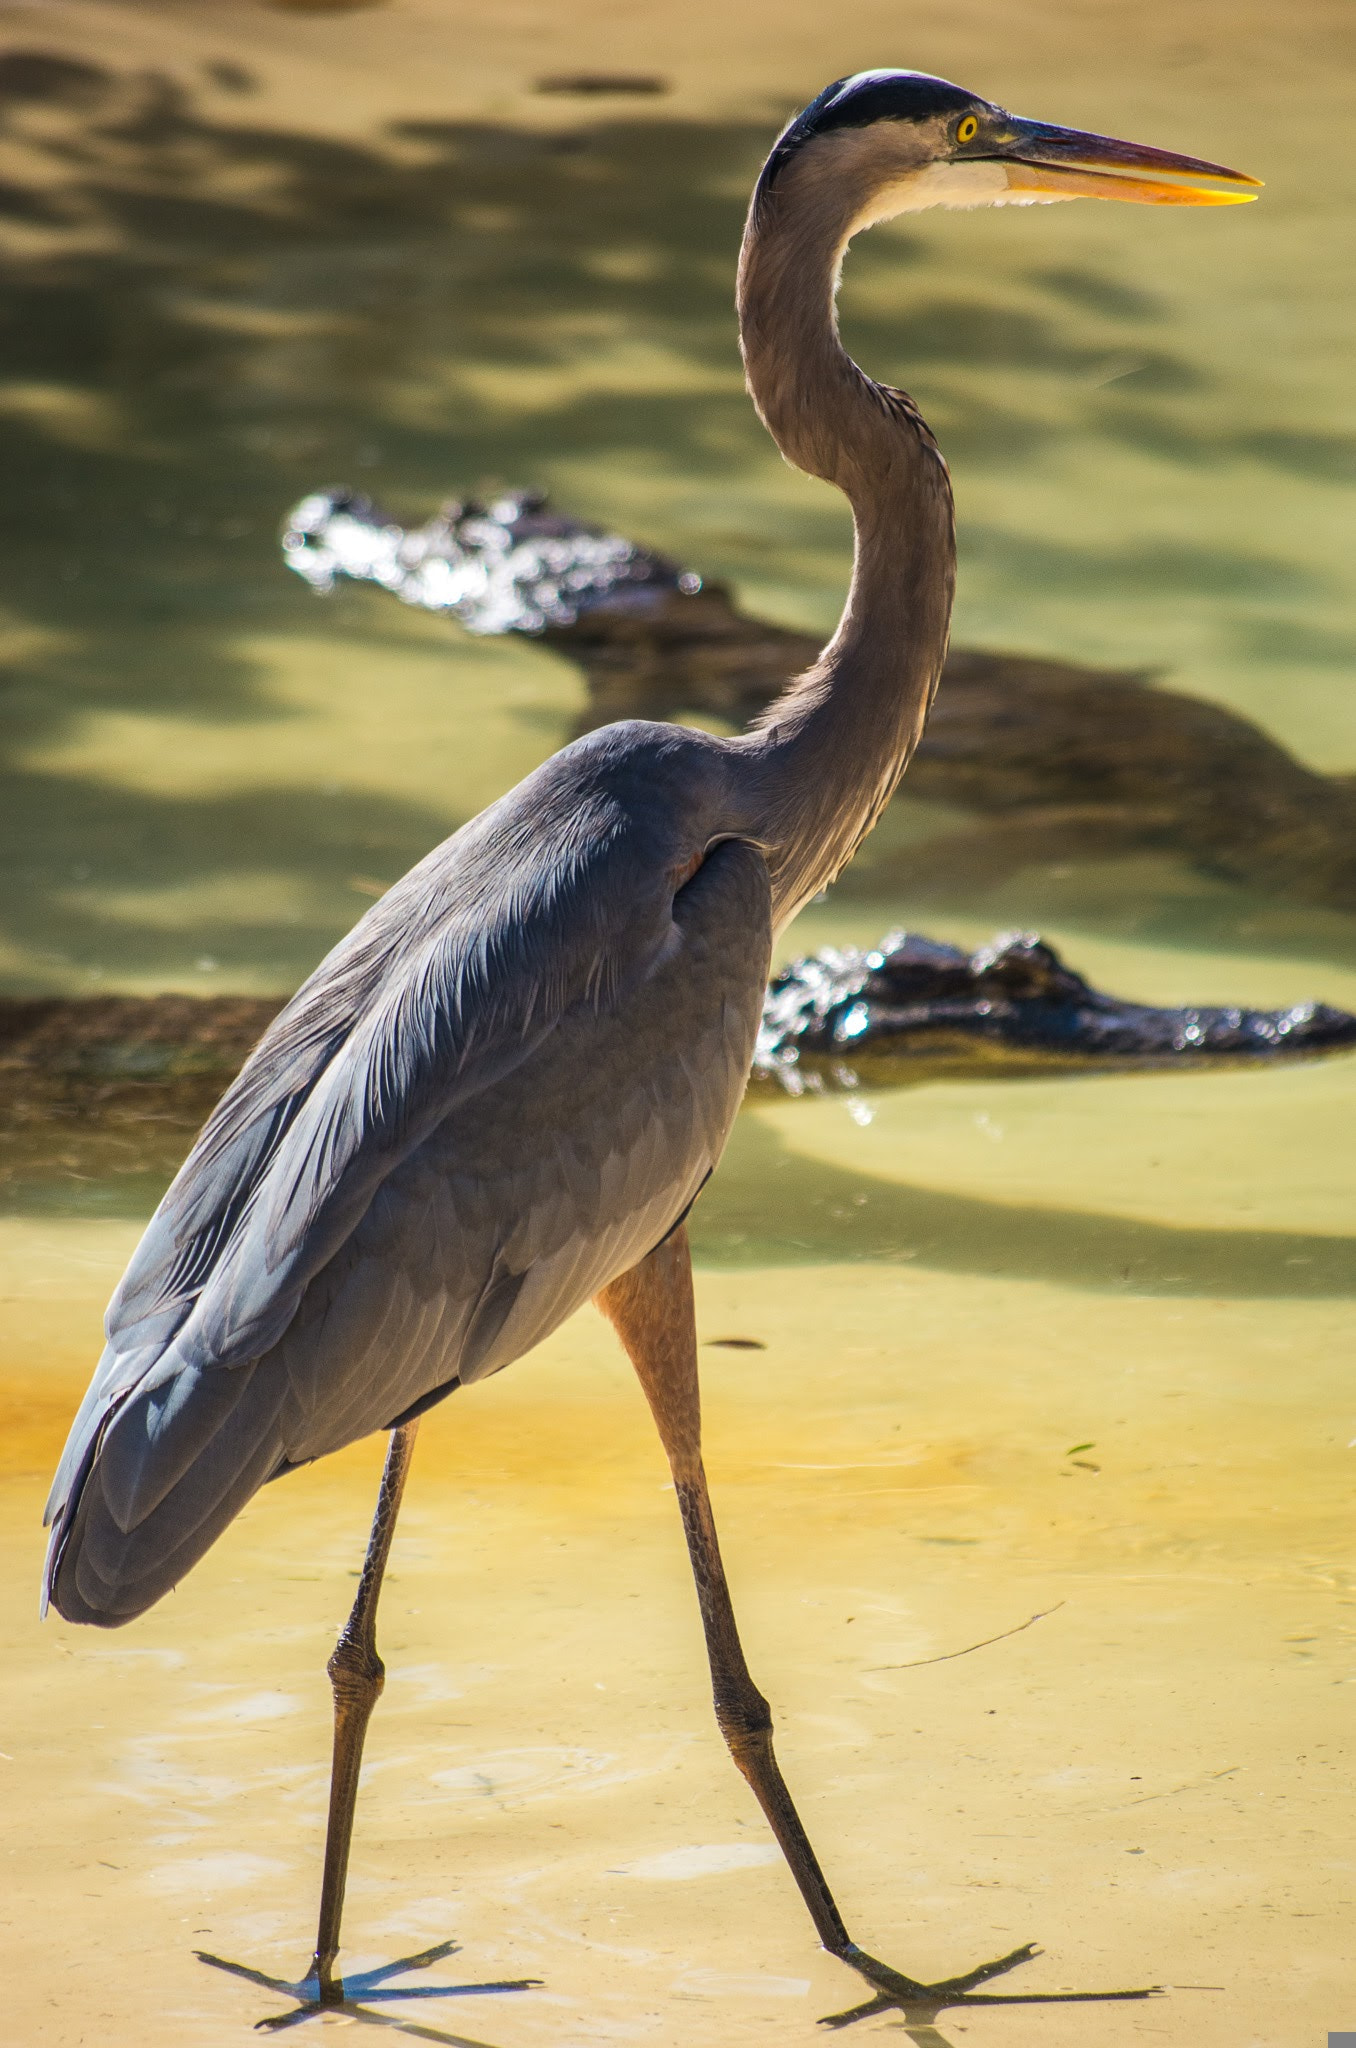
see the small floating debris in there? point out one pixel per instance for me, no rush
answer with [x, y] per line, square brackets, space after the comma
[322, 6]
[601, 84]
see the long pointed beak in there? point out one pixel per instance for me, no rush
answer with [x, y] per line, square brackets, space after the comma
[1067, 164]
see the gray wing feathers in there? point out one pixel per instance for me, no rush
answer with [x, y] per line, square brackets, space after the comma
[519, 1206]
[461, 1172]
[419, 1006]
[108, 1572]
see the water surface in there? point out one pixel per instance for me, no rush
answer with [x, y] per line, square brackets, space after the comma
[1077, 1348]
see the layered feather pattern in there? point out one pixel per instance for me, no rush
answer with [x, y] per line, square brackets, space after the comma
[494, 1096]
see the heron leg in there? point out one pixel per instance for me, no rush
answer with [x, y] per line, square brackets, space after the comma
[357, 1676]
[653, 1312]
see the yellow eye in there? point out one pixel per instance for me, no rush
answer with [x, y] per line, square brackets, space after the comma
[968, 129]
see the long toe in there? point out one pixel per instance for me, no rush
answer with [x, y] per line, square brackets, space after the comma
[921, 2003]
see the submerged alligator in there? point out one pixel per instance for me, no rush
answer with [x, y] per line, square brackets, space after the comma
[914, 1010]
[1052, 760]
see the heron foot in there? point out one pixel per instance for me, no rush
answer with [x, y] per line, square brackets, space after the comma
[921, 2003]
[361, 1990]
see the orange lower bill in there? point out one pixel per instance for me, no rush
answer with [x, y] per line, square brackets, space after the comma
[1075, 182]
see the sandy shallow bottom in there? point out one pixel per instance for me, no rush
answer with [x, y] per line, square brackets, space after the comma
[1151, 1780]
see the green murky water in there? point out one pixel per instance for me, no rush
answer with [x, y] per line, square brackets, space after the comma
[1148, 417]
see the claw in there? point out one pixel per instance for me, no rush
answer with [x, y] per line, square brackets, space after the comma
[921, 2003]
[362, 1989]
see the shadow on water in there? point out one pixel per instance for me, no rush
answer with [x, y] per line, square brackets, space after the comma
[137, 840]
[363, 1989]
[754, 1215]
[205, 317]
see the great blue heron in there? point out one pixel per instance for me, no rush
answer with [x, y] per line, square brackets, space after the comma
[500, 1095]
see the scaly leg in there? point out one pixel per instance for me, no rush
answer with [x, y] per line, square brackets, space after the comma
[652, 1310]
[357, 1676]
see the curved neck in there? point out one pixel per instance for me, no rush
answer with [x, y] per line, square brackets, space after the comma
[834, 745]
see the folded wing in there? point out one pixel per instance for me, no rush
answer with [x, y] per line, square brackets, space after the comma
[464, 1125]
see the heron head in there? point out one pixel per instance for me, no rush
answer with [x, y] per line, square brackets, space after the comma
[901, 140]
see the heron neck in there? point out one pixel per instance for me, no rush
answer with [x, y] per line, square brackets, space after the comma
[832, 748]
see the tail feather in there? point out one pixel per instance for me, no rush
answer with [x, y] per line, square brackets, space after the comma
[103, 1572]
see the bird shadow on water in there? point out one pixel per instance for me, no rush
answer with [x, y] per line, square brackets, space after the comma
[364, 1989]
[919, 2005]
